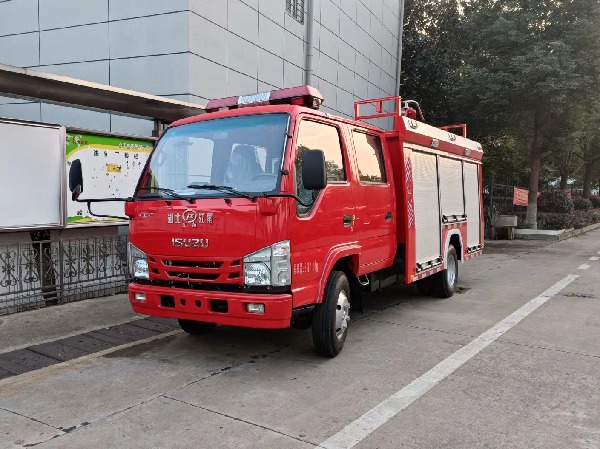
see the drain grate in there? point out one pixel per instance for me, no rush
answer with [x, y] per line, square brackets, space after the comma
[46, 354]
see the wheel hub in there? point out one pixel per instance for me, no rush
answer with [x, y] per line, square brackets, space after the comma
[451, 270]
[342, 314]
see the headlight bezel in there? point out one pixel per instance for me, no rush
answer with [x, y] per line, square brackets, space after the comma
[269, 267]
[138, 263]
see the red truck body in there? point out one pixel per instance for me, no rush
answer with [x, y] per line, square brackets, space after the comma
[375, 224]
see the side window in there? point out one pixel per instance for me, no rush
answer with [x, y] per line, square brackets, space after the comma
[369, 157]
[318, 136]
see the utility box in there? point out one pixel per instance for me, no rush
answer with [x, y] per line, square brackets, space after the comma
[502, 222]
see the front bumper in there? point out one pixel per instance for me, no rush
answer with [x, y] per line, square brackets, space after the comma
[202, 306]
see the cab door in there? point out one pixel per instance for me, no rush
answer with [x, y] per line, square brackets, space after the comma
[375, 202]
[328, 223]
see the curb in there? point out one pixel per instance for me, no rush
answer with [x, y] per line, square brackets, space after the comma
[565, 234]
[585, 229]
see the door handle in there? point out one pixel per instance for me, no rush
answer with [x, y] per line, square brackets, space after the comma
[347, 220]
[388, 216]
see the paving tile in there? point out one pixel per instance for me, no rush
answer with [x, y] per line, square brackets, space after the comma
[87, 343]
[58, 351]
[154, 326]
[136, 332]
[111, 336]
[23, 360]
[4, 373]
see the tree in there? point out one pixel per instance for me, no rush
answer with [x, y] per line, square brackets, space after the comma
[522, 60]
[430, 56]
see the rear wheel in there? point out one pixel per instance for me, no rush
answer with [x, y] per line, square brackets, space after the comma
[331, 317]
[196, 327]
[445, 281]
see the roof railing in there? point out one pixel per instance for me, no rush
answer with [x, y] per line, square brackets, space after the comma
[462, 127]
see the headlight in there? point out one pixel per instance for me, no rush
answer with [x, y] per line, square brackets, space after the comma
[269, 266]
[138, 263]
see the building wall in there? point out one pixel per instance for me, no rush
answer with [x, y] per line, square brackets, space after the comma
[195, 50]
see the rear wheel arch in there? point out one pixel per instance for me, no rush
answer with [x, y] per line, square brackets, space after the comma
[455, 239]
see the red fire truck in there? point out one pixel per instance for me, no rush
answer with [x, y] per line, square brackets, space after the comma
[267, 213]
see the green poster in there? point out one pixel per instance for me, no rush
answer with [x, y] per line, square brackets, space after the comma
[111, 167]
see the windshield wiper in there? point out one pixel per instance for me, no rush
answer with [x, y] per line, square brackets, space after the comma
[170, 193]
[226, 189]
[287, 195]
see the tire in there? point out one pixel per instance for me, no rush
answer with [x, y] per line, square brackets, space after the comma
[445, 281]
[331, 317]
[196, 327]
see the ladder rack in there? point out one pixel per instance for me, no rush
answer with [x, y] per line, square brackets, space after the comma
[462, 127]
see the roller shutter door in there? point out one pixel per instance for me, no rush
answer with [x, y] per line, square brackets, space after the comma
[472, 200]
[451, 187]
[427, 212]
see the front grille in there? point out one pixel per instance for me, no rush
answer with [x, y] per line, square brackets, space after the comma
[199, 272]
[194, 276]
[191, 264]
[229, 288]
[216, 287]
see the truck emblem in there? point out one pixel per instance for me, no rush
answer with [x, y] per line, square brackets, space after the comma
[189, 243]
[190, 217]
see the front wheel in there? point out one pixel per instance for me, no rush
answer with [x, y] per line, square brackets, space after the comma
[331, 317]
[196, 327]
[445, 281]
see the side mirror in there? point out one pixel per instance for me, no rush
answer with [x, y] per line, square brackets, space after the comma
[75, 179]
[314, 175]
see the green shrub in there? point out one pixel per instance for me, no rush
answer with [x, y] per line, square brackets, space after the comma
[581, 219]
[553, 221]
[582, 204]
[595, 214]
[555, 201]
[595, 199]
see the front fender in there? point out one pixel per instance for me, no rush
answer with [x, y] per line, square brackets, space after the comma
[335, 254]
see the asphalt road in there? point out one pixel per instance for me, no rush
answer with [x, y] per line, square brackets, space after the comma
[513, 361]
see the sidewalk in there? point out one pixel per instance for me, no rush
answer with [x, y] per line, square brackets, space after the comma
[514, 246]
[50, 323]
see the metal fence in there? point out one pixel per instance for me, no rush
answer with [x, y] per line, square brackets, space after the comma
[47, 272]
[498, 200]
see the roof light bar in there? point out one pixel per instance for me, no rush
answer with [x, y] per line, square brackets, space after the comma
[303, 96]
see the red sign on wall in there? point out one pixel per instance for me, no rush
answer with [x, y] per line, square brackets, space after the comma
[520, 197]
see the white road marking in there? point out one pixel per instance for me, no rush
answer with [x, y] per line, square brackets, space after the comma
[362, 427]
[585, 266]
[594, 258]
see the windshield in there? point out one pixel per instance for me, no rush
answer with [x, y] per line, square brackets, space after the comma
[242, 153]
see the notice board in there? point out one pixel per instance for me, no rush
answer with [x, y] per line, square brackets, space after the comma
[32, 182]
[111, 167]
